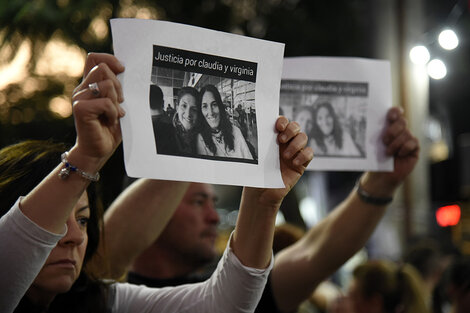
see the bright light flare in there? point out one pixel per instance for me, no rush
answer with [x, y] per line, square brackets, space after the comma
[60, 58]
[437, 69]
[448, 39]
[448, 215]
[419, 55]
[16, 71]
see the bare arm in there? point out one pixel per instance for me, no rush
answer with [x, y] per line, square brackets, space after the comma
[98, 135]
[299, 268]
[136, 219]
[253, 236]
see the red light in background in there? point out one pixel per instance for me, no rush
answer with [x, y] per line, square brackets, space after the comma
[448, 215]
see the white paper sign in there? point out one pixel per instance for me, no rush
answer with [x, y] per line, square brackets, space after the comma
[219, 93]
[341, 104]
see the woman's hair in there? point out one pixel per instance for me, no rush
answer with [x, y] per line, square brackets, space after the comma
[459, 272]
[286, 235]
[22, 167]
[399, 286]
[318, 135]
[454, 287]
[225, 126]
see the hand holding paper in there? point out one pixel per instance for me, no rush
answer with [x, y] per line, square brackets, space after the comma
[259, 206]
[223, 97]
[403, 146]
[340, 104]
[96, 106]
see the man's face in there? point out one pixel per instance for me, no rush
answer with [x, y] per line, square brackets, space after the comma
[192, 231]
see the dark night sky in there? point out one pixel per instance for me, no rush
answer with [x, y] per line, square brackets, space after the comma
[450, 98]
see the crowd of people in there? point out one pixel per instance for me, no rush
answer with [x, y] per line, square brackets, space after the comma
[52, 233]
[63, 252]
[200, 126]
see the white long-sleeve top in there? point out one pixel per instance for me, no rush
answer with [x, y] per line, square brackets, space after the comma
[24, 248]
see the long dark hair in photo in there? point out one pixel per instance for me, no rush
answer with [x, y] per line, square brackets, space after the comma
[22, 167]
[317, 133]
[225, 126]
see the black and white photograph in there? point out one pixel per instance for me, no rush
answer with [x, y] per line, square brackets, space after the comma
[201, 105]
[340, 103]
[332, 114]
[196, 114]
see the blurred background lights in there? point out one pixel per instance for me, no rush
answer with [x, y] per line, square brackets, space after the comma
[448, 215]
[436, 69]
[60, 58]
[419, 55]
[61, 106]
[448, 39]
[16, 70]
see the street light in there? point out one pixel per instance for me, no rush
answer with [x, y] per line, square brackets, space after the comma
[448, 39]
[419, 55]
[436, 69]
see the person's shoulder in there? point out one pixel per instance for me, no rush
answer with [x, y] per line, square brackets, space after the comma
[162, 123]
[161, 118]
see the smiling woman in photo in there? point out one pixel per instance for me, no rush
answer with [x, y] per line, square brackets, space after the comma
[186, 121]
[218, 136]
[328, 137]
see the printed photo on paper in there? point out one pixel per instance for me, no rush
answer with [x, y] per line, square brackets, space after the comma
[338, 103]
[203, 106]
[200, 104]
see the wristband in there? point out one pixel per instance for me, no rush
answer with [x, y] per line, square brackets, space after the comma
[367, 198]
[65, 172]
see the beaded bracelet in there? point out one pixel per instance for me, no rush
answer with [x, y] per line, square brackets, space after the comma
[367, 198]
[65, 172]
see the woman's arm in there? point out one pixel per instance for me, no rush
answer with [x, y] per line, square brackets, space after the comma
[25, 247]
[98, 135]
[299, 268]
[32, 228]
[135, 220]
[240, 277]
[253, 236]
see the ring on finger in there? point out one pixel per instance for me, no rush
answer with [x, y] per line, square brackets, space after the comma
[95, 90]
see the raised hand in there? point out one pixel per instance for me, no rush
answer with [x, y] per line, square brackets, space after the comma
[401, 144]
[253, 237]
[96, 107]
[294, 158]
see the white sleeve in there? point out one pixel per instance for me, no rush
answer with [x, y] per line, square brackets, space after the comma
[24, 248]
[233, 287]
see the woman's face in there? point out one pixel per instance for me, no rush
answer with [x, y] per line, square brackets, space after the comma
[304, 118]
[210, 110]
[187, 111]
[65, 262]
[325, 121]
